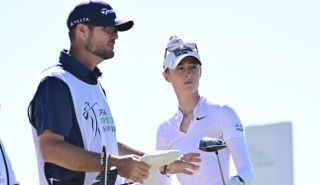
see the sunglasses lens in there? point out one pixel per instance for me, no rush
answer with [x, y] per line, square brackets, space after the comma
[173, 47]
[189, 45]
[109, 30]
[184, 46]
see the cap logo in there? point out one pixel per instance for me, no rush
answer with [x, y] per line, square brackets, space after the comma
[182, 51]
[81, 20]
[106, 11]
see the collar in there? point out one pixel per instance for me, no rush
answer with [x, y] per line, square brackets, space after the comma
[72, 65]
[198, 111]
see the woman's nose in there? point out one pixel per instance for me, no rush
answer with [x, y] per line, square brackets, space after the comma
[188, 73]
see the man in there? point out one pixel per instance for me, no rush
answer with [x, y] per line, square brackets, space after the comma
[7, 176]
[69, 113]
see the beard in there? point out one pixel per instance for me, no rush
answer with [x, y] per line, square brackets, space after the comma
[97, 48]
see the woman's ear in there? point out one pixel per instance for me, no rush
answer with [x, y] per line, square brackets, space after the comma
[165, 76]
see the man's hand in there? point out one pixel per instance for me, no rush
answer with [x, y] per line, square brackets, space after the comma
[185, 164]
[235, 180]
[130, 167]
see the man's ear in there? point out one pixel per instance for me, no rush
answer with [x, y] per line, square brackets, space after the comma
[82, 31]
[166, 76]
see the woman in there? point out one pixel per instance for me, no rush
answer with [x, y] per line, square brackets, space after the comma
[196, 118]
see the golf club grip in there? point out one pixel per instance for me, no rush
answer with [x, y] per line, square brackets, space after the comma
[112, 176]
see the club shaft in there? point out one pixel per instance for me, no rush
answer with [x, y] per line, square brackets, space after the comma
[221, 173]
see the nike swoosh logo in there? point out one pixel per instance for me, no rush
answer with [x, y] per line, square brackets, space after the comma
[200, 118]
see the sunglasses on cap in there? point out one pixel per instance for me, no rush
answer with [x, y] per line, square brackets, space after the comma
[179, 49]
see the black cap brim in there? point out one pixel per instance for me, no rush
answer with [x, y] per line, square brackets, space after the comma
[123, 25]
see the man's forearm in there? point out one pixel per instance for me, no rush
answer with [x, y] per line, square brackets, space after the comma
[55, 150]
[75, 158]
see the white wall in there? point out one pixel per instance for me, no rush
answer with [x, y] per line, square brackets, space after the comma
[270, 148]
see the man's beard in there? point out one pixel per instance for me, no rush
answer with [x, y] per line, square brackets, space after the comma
[103, 53]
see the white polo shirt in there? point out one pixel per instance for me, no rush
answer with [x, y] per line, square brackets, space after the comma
[5, 168]
[211, 120]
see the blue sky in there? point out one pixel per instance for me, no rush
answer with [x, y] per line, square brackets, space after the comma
[260, 57]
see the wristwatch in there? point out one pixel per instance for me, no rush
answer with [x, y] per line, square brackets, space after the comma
[166, 169]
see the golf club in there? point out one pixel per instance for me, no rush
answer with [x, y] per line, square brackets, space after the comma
[105, 177]
[209, 144]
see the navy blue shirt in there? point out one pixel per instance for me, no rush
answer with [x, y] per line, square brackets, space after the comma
[52, 109]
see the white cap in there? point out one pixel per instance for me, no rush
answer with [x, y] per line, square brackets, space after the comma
[176, 50]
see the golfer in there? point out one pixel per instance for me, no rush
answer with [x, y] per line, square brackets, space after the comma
[196, 118]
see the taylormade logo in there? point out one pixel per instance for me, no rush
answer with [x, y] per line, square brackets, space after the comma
[106, 11]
